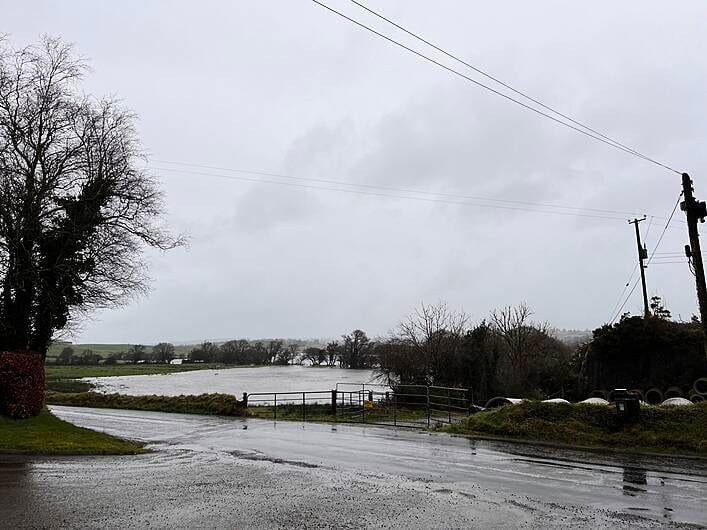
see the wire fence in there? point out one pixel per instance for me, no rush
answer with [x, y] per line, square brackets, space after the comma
[398, 405]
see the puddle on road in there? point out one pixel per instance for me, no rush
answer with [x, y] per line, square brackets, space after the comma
[260, 457]
[632, 480]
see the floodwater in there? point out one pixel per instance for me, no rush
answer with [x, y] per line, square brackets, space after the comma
[215, 472]
[236, 381]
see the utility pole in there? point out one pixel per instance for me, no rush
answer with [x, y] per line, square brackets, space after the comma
[642, 255]
[696, 210]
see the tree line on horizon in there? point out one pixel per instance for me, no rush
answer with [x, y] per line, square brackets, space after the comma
[508, 353]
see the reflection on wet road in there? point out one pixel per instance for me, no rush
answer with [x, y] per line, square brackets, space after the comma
[467, 482]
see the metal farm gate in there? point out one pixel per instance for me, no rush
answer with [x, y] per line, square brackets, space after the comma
[399, 405]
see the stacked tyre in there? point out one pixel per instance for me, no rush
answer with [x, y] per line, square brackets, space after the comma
[656, 396]
[699, 390]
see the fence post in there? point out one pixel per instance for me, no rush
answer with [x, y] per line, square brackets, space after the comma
[428, 406]
[245, 400]
[274, 409]
[304, 415]
[333, 403]
[362, 400]
[449, 405]
[395, 409]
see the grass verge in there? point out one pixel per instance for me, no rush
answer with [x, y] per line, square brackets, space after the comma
[214, 404]
[660, 429]
[48, 435]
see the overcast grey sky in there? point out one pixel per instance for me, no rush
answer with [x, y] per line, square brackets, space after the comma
[287, 87]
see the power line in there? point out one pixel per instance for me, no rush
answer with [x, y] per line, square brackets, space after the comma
[680, 254]
[650, 259]
[497, 80]
[597, 137]
[628, 282]
[635, 284]
[388, 195]
[398, 190]
[670, 218]
[648, 230]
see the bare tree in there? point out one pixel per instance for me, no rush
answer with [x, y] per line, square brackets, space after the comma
[433, 333]
[355, 350]
[332, 353]
[273, 349]
[136, 353]
[65, 356]
[522, 336]
[316, 356]
[286, 355]
[293, 352]
[163, 352]
[75, 208]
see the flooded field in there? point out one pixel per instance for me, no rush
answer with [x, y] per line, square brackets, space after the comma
[235, 381]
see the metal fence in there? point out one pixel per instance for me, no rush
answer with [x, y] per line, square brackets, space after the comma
[398, 405]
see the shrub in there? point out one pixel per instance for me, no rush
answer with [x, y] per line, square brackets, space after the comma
[21, 384]
[663, 429]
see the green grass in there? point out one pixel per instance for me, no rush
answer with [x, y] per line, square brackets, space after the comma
[104, 350]
[214, 404]
[660, 429]
[317, 412]
[48, 435]
[69, 385]
[54, 373]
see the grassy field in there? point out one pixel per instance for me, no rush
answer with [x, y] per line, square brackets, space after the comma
[104, 350]
[213, 404]
[48, 435]
[54, 373]
[181, 350]
[660, 429]
[67, 378]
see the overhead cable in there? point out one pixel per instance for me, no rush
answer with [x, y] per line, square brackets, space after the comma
[389, 195]
[610, 213]
[581, 128]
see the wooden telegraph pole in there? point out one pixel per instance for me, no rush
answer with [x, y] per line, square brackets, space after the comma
[696, 210]
[642, 256]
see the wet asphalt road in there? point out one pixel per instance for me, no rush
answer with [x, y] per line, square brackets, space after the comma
[213, 472]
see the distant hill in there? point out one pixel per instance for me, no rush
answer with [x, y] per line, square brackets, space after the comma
[181, 349]
[572, 337]
[104, 350]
